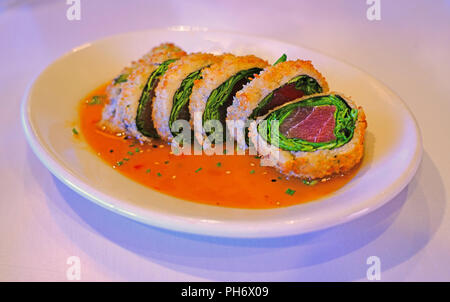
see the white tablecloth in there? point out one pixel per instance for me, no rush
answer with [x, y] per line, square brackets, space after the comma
[42, 222]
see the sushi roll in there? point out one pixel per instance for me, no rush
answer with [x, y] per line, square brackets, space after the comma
[312, 137]
[172, 95]
[130, 94]
[275, 86]
[212, 94]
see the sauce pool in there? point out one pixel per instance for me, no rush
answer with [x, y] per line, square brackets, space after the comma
[236, 181]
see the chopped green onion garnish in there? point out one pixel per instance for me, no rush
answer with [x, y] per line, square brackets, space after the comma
[198, 170]
[126, 159]
[290, 192]
[281, 59]
[252, 171]
[159, 174]
[129, 152]
[148, 171]
[119, 163]
[74, 131]
[120, 79]
[166, 162]
[96, 100]
[219, 164]
[309, 182]
[136, 150]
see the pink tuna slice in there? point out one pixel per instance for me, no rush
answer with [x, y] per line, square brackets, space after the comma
[313, 124]
[282, 95]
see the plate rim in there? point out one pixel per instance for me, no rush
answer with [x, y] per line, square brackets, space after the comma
[173, 222]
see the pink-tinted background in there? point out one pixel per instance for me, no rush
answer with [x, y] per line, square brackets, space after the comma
[42, 222]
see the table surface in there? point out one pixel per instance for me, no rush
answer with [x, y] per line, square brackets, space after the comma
[42, 222]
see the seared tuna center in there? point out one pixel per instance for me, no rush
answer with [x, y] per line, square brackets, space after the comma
[312, 124]
[282, 95]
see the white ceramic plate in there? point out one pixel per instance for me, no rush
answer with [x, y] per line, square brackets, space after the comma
[393, 145]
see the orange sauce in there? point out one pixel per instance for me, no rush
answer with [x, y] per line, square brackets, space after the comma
[223, 180]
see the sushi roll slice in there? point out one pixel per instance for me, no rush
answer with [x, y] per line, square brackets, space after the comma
[275, 86]
[318, 136]
[212, 94]
[172, 95]
[130, 94]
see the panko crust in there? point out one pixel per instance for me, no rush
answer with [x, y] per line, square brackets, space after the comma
[320, 163]
[169, 84]
[119, 115]
[271, 78]
[213, 77]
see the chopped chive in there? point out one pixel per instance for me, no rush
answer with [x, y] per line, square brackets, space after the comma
[219, 164]
[148, 171]
[281, 59]
[136, 150]
[309, 182]
[158, 174]
[126, 159]
[96, 100]
[74, 131]
[290, 192]
[166, 162]
[198, 170]
[132, 145]
[119, 163]
[120, 79]
[129, 152]
[257, 157]
[252, 172]
[224, 151]
[279, 177]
